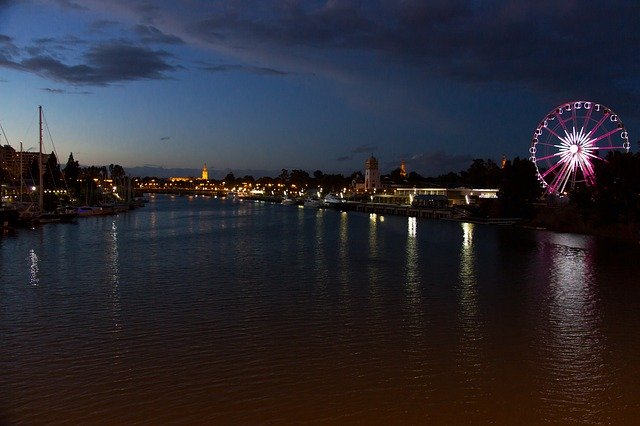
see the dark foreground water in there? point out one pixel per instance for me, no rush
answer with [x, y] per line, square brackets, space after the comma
[213, 311]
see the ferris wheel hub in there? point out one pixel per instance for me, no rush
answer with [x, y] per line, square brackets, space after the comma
[574, 148]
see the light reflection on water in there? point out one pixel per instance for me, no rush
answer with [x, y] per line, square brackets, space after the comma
[470, 337]
[33, 268]
[572, 335]
[212, 311]
[112, 260]
[413, 278]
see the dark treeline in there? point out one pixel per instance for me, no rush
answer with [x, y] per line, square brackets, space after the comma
[615, 198]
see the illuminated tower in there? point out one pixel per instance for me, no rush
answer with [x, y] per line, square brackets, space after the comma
[403, 169]
[205, 172]
[371, 174]
[503, 163]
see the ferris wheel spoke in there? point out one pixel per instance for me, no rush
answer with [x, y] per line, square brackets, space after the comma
[551, 169]
[550, 144]
[598, 124]
[554, 133]
[602, 148]
[587, 117]
[570, 172]
[592, 141]
[590, 155]
[560, 180]
[561, 121]
[588, 171]
[557, 154]
[560, 177]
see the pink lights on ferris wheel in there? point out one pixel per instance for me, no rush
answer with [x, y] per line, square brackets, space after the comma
[570, 139]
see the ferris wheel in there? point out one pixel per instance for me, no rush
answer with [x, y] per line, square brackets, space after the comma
[570, 139]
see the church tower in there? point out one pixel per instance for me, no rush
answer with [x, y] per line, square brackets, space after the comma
[205, 172]
[371, 174]
[403, 169]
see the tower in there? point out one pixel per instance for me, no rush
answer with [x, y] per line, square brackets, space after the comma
[403, 169]
[205, 172]
[371, 174]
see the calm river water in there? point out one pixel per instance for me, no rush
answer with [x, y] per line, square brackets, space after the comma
[209, 311]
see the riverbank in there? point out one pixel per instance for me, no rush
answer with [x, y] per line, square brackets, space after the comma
[571, 220]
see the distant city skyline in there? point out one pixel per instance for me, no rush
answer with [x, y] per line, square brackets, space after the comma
[312, 85]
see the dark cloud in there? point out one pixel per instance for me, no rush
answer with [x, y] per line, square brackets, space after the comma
[70, 5]
[102, 24]
[64, 92]
[567, 49]
[244, 68]
[4, 4]
[54, 47]
[437, 162]
[147, 10]
[150, 34]
[104, 64]
[165, 138]
[364, 149]
[7, 48]
[345, 158]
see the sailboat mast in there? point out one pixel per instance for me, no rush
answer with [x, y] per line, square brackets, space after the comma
[21, 175]
[40, 172]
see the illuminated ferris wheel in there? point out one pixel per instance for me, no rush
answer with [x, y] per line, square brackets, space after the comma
[570, 139]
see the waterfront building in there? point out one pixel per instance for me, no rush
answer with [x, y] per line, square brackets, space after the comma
[11, 161]
[371, 175]
[435, 196]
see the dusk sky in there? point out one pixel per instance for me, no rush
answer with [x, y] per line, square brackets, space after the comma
[266, 85]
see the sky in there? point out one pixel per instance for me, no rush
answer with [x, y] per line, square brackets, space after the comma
[262, 85]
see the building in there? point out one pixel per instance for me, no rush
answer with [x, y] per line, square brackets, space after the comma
[403, 170]
[205, 172]
[19, 163]
[371, 175]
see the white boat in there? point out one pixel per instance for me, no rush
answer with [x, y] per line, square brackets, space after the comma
[288, 201]
[333, 200]
[312, 202]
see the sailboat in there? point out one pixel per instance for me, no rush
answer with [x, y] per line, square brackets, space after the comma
[31, 215]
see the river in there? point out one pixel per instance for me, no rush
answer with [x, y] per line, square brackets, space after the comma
[214, 311]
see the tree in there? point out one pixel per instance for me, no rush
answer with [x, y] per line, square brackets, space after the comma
[396, 176]
[71, 173]
[229, 179]
[519, 188]
[482, 174]
[299, 177]
[52, 176]
[116, 171]
[617, 190]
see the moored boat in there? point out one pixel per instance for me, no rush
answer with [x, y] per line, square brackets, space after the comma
[312, 202]
[333, 201]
